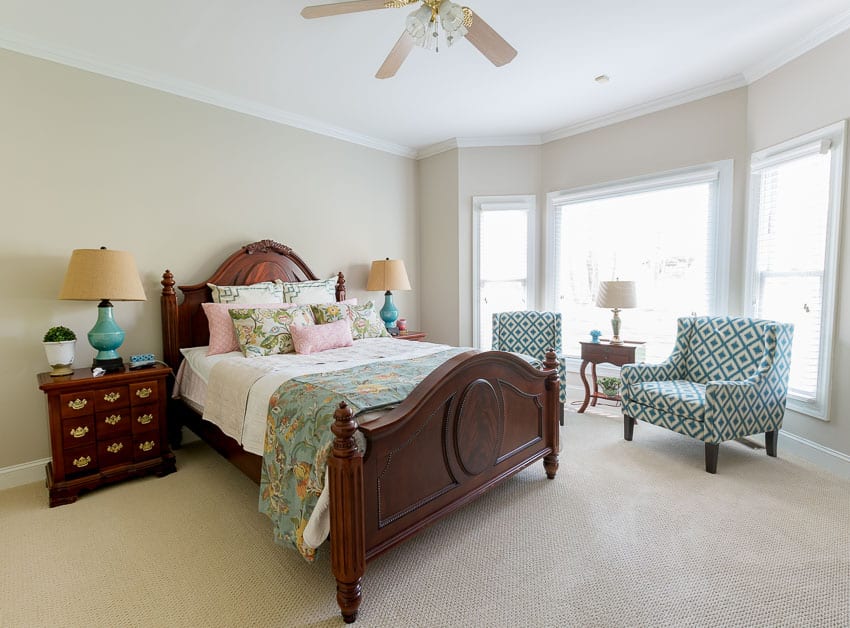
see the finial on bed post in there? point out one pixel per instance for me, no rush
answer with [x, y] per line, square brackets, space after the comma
[168, 308]
[340, 287]
[348, 527]
[553, 392]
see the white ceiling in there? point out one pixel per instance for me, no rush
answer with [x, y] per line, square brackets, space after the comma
[262, 57]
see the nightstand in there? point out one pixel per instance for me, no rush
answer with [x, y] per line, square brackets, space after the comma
[594, 353]
[105, 429]
[411, 335]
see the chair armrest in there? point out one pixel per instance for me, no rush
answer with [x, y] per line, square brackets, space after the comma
[664, 371]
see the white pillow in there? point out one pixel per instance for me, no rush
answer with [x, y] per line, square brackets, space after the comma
[309, 292]
[256, 294]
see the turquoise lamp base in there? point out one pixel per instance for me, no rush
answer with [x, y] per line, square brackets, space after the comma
[106, 336]
[389, 313]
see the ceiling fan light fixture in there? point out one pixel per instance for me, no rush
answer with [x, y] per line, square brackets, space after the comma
[418, 25]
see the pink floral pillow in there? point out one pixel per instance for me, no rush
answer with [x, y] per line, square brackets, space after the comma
[222, 332]
[314, 338]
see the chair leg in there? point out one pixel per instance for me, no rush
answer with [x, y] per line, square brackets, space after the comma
[711, 451]
[770, 440]
[628, 427]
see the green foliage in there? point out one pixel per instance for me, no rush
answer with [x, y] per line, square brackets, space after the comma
[59, 334]
[610, 385]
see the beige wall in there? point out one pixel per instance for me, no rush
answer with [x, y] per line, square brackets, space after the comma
[87, 161]
[438, 246]
[807, 94]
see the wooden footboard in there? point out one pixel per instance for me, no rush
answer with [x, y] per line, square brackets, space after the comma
[471, 424]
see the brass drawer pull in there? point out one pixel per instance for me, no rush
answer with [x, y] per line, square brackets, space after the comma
[81, 462]
[147, 445]
[112, 419]
[79, 432]
[114, 448]
[78, 404]
[144, 393]
[112, 397]
[145, 419]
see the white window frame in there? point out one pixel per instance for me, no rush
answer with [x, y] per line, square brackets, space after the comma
[830, 138]
[720, 171]
[524, 202]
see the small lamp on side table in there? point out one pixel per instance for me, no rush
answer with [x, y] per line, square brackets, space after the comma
[388, 274]
[616, 295]
[103, 275]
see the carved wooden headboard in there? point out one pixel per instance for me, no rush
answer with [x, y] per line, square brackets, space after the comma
[185, 324]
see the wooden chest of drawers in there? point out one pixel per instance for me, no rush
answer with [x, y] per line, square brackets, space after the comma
[105, 429]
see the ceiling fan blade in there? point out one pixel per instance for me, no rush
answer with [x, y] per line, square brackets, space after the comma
[396, 57]
[325, 10]
[489, 42]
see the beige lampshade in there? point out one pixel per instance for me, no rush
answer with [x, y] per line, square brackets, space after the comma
[98, 274]
[388, 274]
[616, 294]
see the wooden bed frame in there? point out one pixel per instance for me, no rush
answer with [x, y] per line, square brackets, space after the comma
[471, 424]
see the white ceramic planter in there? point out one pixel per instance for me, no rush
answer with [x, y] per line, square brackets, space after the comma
[60, 356]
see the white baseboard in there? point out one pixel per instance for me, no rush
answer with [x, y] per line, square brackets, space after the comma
[827, 459]
[25, 473]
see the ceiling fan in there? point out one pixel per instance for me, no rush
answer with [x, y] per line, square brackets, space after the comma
[423, 28]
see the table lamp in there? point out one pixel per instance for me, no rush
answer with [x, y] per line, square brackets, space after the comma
[616, 295]
[103, 275]
[388, 274]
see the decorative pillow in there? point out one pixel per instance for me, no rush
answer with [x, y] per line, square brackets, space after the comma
[257, 293]
[364, 319]
[315, 338]
[263, 331]
[222, 332]
[308, 292]
[366, 322]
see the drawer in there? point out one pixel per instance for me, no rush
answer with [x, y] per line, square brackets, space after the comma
[146, 446]
[115, 451]
[77, 432]
[80, 460]
[145, 419]
[76, 404]
[144, 392]
[112, 422]
[111, 398]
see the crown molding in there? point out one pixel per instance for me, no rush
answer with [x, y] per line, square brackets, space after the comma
[818, 36]
[30, 46]
[659, 104]
[479, 142]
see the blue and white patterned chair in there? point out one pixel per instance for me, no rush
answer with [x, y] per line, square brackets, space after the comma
[530, 335]
[727, 378]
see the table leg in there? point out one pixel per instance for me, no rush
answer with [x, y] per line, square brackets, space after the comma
[586, 386]
[595, 384]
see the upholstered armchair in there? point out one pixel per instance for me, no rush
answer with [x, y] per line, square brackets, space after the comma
[530, 335]
[727, 378]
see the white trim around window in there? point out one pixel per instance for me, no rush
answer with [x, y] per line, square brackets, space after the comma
[827, 141]
[480, 204]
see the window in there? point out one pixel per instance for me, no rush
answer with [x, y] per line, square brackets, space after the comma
[502, 260]
[669, 233]
[792, 248]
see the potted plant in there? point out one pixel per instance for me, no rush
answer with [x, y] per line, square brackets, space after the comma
[59, 343]
[610, 386]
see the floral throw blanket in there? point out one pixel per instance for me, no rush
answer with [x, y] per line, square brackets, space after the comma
[299, 438]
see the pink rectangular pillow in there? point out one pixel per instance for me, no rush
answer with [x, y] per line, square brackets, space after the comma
[222, 332]
[314, 338]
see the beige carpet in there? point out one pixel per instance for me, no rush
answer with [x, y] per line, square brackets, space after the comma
[629, 534]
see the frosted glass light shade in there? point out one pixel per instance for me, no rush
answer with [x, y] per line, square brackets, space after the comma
[388, 274]
[616, 294]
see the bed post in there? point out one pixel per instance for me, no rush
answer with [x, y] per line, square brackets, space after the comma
[168, 306]
[553, 389]
[340, 287]
[348, 534]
